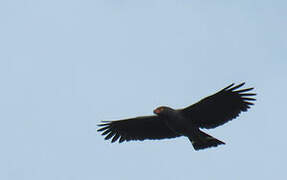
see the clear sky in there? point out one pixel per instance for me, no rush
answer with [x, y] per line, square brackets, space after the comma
[65, 65]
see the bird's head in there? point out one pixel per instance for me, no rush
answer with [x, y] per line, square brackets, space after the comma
[162, 110]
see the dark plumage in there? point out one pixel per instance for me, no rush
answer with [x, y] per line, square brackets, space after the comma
[210, 112]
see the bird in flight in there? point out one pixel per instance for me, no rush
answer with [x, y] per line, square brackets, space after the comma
[210, 112]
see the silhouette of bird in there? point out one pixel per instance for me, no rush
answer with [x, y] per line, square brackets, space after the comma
[210, 112]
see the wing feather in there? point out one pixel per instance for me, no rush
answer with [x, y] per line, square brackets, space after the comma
[221, 107]
[139, 128]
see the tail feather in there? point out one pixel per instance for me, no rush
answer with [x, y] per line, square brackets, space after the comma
[203, 140]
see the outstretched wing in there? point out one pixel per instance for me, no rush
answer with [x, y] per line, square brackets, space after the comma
[139, 128]
[219, 108]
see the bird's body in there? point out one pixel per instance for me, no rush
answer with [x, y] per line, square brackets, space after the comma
[209, 112]
[183, 126]
[175, 121]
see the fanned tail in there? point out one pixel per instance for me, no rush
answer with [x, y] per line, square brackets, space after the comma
[203, 140]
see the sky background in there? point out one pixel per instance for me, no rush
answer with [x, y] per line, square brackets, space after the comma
[65, 65]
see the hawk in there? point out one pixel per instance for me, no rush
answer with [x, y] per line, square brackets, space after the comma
[209, 112]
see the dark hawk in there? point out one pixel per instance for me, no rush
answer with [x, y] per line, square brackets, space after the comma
[210, 112]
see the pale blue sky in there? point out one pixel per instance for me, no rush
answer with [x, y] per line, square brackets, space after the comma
[67, 65]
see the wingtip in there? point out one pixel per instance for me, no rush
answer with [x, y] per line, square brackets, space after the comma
[244, 90]
[236, 87]
[103, 128]
[249, 103]
[249, 94]
[228, 87]
[249, 99]
[104, 123]
[242, 84]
